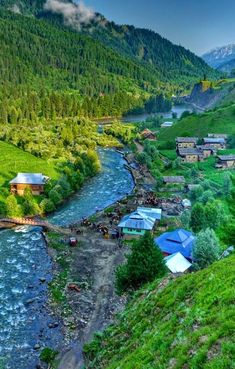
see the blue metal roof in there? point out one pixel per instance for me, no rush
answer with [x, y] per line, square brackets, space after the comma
[179, 240]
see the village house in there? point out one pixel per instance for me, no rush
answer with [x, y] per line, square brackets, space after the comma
[207, 151]
[179, 240]
[148, 135]
[226, 162]
[218, 143]
[174, 180]
[186, 142]
[137, 223]
[34, 181]
[190, 155]
[167, 124]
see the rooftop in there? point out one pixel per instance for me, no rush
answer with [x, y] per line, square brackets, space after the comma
[29, 178]
[177, 263]
[174, 179]
[167, 124]
[214, 140]
[226, 157]
[142, 218]
[179, 240]
[186, 139]
[189, 151]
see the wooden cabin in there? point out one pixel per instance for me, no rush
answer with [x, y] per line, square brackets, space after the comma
[34, 181]
[207, 151]
[226, 162]
[190, 155]
[148, 135]
[218, 143]
[186, 142]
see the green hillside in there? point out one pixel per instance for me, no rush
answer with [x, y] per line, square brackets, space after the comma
[221, 120]
[138, 56]
[14, 160]
[36, 53]
[187, 323]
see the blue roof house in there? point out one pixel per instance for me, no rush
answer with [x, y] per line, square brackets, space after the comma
[179, 240]
[140, 221]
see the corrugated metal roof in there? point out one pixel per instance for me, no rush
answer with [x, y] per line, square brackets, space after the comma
[142, 218]
[179, 240]
[187, 139]
[29, 178]
[177, 263]
[214, 140]
[226, 157]
[174, 179]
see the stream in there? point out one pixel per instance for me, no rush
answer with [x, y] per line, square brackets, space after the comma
[26, 268]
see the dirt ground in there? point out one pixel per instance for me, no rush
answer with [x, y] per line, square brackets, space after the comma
[94, 264]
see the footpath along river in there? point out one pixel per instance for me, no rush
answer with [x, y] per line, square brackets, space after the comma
[26, 268]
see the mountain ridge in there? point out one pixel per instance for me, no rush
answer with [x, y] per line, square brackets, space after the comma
[220, 55]
[164, 60]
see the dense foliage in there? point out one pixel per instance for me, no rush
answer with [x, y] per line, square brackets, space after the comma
[143, 265]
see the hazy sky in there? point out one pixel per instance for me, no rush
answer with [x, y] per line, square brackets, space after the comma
[196, 24]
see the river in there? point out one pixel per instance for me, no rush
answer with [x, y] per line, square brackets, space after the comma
[26, 268]
[178, 109]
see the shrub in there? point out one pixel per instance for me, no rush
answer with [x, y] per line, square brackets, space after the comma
[206, 249]
[48, 355]
[47, 206]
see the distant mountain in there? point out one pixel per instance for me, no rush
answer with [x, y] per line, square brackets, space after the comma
[220, 55]
[227, 67]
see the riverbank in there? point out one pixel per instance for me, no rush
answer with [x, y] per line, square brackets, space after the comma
[91, 304]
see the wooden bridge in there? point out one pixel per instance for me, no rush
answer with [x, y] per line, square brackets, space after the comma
[36, 222]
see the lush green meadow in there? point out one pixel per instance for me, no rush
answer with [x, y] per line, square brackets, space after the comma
[14, 160]
[221, 120]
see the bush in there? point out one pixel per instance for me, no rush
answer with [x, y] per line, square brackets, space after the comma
[206, 249]
[47, 206]
[144, 264]
[12, 207]
[55, 196]
[48, 355]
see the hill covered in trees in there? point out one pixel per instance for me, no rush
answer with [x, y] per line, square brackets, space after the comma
[99, 57]
[182, 323]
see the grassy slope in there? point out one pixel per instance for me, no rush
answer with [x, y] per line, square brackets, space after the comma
[14, 160]
[188, 324]
[219, 121]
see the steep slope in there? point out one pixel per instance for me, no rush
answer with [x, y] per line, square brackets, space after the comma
[220, 55]
[36, 53]
[158, 57]
[188, 323]
[173, 62]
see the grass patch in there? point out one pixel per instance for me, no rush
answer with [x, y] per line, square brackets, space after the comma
[187, 324]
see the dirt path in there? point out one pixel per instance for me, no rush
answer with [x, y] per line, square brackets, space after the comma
[94, 265]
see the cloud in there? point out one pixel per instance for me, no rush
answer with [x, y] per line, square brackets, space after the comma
[75, 14]
[15, 9]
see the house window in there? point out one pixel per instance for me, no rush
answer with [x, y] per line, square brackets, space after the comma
[129, 229]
